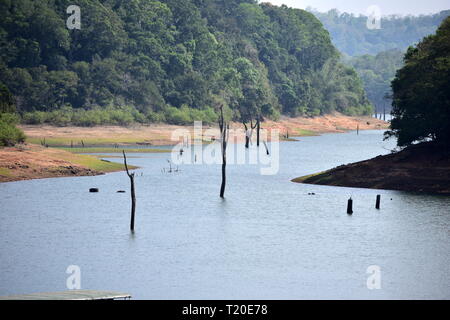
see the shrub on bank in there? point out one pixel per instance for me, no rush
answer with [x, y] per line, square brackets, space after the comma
[35, 117]
[119, 115]
[9, 133]
[85, 118]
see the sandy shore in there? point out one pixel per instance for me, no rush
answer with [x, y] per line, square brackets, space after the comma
[26, 162]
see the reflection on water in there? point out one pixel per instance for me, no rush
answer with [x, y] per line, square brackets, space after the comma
[268, 240]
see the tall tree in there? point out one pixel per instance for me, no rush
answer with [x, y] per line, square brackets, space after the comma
[421, 92]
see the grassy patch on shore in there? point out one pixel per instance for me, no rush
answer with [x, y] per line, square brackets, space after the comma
[5, 172]
[114, 150]
[304, 133]
[66, 142]
[93, 163]
[28, 162]
[305, 178]
[288, 139]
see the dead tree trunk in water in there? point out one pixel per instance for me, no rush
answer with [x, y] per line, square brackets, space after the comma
[133, 194]
[267, 149]
[224, 134]
[252, 127]
[247, 136]
[286, 136]
[249, 133]
[258, 130]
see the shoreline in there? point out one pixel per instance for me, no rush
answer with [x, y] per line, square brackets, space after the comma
[160, 134]
[30, 162]
[34, 161]
[422, 168]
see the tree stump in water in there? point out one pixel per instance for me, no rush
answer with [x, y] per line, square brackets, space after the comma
[350, 206]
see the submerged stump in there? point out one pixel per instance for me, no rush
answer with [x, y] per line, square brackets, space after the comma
[350, 206]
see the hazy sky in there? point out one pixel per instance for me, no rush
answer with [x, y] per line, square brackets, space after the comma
[387, 7]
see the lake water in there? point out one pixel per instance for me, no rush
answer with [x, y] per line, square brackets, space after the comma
[268, 240]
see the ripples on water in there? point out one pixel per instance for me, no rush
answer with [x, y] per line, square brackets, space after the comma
[268, 240]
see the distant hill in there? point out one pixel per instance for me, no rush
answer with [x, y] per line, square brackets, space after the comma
[376, 55]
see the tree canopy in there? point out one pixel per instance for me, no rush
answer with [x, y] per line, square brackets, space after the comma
[421, 91]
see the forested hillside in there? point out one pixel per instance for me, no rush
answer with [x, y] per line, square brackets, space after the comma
[352, 37]
[169, 60]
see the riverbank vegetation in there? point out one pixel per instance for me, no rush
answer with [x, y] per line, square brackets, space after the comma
[9, 133]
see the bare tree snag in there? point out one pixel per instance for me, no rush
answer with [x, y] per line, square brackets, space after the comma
[249, 132]
[224, 134]
[267, 149]
[247, 136]
[252, 127]
[133, 194]
[258, 130]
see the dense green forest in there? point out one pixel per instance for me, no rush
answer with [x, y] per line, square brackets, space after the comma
[352, 37]
[171, 61]
[377, 73]
[421, 92]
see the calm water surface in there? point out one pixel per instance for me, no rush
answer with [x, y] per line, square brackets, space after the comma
[268, 240]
